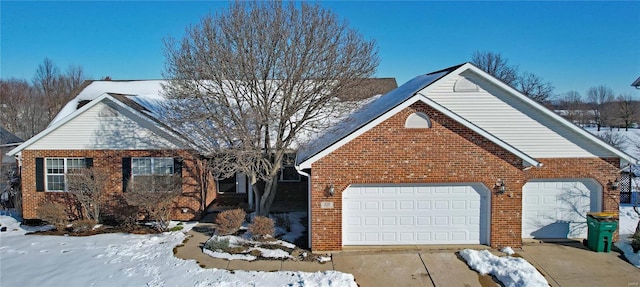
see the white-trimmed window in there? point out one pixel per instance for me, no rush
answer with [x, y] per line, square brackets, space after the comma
[57, 170]
[288, 172]
[152, 173]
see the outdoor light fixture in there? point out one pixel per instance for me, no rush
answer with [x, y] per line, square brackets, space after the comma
[614, 185]
[331, 189]
[500, 187]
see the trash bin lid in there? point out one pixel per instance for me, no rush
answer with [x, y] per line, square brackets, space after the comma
[603, 215]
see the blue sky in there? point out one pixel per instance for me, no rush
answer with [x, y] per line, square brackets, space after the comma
[574, 45]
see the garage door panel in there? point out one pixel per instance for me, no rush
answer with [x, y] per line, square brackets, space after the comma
[424, 215]
[558, 208]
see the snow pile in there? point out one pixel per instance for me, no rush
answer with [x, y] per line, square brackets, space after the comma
[511, 271]
[627, 225]
[249, 246]
[508, 251]
[126, 260]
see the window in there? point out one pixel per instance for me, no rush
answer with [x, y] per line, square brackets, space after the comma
[288, 172]
[153, 173]
[58, 169]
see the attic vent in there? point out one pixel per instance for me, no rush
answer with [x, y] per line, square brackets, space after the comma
[82, 103]
[417, 120]
[107, 111]
[464, 85]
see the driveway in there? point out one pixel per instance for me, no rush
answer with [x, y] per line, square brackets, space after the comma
[562, 264]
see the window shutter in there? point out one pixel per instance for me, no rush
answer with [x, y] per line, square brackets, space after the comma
[39, 174]
[126, 172]
[177, 166]
[88, 162]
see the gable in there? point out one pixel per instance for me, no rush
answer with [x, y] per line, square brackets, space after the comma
[106, 125]
[512, 120]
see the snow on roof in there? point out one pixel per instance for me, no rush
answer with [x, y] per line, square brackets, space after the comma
[148, 89]
[369, 112]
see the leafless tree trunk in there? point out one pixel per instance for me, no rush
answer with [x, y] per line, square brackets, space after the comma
[21, 108]
[574, 105]
[247, 82]
[598, 98]
[56, 88]
[535, 88]
[628, 110]
[88, 186]
[497, 66]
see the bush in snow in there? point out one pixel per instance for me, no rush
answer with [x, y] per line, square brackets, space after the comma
[87, 186]
[261, 227]
[230, 221]
[83, 225]
[217, 244]
[54, 213]
[155, 196]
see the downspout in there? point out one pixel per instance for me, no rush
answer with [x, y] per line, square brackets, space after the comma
[308, 203]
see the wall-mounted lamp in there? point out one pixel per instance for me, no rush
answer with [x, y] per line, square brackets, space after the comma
[613, 185]
[500, 186]
[331, 190]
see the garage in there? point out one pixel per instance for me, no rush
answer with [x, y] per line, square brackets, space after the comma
[558, 208]
[415, 214]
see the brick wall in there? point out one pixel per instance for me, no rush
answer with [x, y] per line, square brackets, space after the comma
[187, 206]
[447, 152]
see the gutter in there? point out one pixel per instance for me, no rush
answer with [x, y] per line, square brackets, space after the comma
[297, 167]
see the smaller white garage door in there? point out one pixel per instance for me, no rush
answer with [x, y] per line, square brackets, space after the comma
[558, 208]
[415, 214]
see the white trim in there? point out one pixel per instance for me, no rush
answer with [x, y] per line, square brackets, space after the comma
[417, 97]
[84, 108]
[547, 112]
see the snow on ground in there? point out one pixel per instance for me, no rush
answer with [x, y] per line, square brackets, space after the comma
[125, 260]
[296, 230]
[511, 271]
[628, 222]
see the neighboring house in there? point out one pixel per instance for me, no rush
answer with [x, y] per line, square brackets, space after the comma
[636, 83]
[115, 127]
[455, 157]
[9, 166]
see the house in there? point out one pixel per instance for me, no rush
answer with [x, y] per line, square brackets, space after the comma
[115, 127]
[8, 167]
[636, 83]
[455, 157]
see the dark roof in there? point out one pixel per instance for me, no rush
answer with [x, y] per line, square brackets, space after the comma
[7, 137]
[636, 83]
[371, 111]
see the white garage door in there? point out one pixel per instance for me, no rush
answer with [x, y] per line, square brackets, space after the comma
[415, 214]
[558, 208]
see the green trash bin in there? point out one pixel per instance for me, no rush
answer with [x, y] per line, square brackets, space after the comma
[601, 227]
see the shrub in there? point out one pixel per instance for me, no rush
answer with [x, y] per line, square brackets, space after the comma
[54, 213]
[217, 244]
[176, 228]
[83, 225]
[635, 242]
[156, 199]
[229, 221]
[261, 227]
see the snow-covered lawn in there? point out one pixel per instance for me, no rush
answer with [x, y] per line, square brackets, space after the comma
[125, 260]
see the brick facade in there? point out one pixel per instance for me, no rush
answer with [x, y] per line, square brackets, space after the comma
[448, 152]
[187, 206]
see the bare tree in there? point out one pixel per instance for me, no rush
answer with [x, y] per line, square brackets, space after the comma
[56, 88]
[627, 110]
[88, 185]
[155, 196]
[613, 138]
[248, 81]
[535, 87]
[598, 98]
[573, 105]
[21, 108]
[497, 66]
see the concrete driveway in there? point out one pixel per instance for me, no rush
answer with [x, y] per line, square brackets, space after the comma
[562, 264]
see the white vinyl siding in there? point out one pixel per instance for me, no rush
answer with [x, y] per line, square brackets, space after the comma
[514, 121]
[56, 170]
[93, 130]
